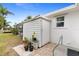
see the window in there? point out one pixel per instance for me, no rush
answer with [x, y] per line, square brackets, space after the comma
[60, 22]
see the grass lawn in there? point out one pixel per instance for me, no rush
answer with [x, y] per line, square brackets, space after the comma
[7, 41]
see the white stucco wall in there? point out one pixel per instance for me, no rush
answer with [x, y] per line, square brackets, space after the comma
[70, 32]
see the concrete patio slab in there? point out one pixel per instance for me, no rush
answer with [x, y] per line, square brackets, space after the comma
[46, 50]
[43, 51]
[20, 51]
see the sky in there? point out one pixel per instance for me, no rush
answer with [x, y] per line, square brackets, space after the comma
[22, 10]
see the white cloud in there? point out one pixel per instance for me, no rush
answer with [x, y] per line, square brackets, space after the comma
[19, 4]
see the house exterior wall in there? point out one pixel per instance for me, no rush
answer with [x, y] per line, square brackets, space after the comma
[70, 31]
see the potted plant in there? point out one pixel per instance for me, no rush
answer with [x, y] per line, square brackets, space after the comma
[34, 41]
[30, 46]
[26, 42]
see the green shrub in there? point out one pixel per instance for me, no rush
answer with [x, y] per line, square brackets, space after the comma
[15, 31]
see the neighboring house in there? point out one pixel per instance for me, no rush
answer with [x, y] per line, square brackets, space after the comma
[63, 22]
[7, 29]
[20, 29]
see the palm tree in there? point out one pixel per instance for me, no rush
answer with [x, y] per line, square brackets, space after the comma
[1, 21]
[3, 13]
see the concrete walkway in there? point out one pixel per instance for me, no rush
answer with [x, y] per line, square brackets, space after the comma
[43, 51]
[20, 51]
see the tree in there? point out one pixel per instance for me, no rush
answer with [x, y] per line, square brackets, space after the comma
[15, 30]
[28, 18]
[3, 13]
[1, 21]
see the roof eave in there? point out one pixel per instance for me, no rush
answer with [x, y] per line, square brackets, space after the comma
[35, 18]
[61, 11]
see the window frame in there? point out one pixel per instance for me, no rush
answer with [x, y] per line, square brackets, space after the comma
[60, 21]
